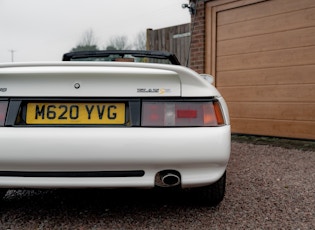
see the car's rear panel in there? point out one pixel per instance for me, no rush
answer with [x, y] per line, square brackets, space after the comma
[110, 153]
[101, 79]
[83, 125]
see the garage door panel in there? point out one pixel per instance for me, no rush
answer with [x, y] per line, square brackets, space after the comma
[267, 42]
[262, 56]
[260, 10]
[288, 21]
[290, 129]
[272, 76]
[271, 110]
[273, 93]
[270, 59]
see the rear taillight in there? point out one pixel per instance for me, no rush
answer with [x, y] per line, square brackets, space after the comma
[3, 111]
[182, 114]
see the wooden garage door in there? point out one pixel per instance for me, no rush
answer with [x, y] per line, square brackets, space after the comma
[262, 54]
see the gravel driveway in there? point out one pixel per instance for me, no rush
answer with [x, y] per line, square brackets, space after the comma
[267, 188]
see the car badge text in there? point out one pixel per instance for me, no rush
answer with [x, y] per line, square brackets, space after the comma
[153, 90]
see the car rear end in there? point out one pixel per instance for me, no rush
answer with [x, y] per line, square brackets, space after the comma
[110, 125]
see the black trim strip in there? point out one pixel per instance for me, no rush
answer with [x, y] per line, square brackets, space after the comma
[134, 173]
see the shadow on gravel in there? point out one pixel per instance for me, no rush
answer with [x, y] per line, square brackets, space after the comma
[98, 209]
[93, 208]
[96, 200]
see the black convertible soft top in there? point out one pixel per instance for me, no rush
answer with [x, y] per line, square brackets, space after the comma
[72, 56]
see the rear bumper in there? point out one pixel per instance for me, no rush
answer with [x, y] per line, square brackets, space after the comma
[200, 155]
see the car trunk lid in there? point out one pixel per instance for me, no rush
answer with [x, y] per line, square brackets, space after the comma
[88, 81]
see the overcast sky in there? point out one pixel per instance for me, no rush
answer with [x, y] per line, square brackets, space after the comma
[42, 30]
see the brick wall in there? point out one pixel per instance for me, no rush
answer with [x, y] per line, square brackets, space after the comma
[197, 52]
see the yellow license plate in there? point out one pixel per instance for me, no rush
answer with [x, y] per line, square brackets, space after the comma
[75, 113]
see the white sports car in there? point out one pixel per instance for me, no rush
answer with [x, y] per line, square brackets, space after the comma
[112, 119]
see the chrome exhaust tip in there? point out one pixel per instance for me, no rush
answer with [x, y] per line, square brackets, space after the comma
[168, 178]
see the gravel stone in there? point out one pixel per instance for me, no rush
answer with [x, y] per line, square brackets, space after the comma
[267, 188]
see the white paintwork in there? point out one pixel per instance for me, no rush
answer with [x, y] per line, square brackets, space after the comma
[200, 154]
[114, 79]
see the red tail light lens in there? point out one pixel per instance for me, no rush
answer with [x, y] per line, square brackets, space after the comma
[186, 113]
[3, 111]
[181, 114]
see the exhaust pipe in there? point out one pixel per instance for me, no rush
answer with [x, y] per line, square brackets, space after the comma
[168, 178]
